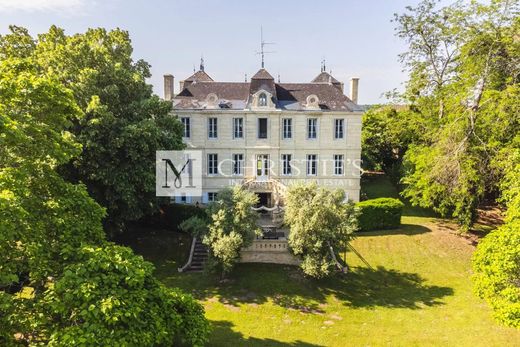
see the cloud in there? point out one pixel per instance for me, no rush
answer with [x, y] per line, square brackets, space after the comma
[61, 6]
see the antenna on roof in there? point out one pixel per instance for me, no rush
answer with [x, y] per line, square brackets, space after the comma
[201, 62]
[262, 45]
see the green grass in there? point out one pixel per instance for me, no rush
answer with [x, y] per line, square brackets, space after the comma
[412, 288]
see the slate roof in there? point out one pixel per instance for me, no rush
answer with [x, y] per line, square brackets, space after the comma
[325, 77]
[199, 76]
[287, 96]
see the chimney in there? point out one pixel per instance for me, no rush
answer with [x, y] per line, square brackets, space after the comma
[354, 83]
[168, 87]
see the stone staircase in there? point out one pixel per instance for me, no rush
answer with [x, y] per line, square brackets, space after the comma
[199, 258]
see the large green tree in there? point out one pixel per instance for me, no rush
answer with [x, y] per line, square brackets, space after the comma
[321, 225]
[54, 259]
[122, 123]
[232, 226]
[464, 75]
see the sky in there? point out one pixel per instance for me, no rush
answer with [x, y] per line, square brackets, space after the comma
[355, 37]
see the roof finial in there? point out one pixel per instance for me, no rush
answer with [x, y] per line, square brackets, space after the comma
[194, 70]
[323, 67]
[278, 78]
[262, 44]
[201, 62]
[245, 77]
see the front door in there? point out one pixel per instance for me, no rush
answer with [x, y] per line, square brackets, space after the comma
[262, 167]
[264, 199]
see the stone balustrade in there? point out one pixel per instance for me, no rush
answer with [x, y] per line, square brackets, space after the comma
[268, 251]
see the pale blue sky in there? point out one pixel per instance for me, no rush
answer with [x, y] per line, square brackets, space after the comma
[356, 37]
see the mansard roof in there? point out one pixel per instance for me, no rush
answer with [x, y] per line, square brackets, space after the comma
[286, 96]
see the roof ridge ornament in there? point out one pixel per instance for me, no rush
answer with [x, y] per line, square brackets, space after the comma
[201, 67]
[323, 66]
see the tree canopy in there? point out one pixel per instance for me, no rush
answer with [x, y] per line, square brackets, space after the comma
[120, 123]
[321, 223]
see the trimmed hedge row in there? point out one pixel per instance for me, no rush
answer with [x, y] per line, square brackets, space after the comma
[377, 214]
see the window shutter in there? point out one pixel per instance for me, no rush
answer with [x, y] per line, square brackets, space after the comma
[178, 200]
[204, 198]
[188, 199]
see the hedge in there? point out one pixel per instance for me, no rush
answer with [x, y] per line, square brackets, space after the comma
[172, 215]
[382, 213]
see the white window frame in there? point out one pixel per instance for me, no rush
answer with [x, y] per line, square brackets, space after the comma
[212, 196]
[339, 165]
[238, 128]
[238, 163]
[212, 164]
[212, 128]
[262, 99]
[186, 122]
[312, 165]
[266, 128]
[312, 128]
[286, 164]
[287, 128]
[339, 130]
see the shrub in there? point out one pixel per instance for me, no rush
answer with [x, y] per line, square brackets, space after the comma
[496, 264]
[171, 216]
[382, 213]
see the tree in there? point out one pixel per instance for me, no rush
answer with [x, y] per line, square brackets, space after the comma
[496, 262]
[449, 168]
[44, 218]
[122, 122]
[51, 235]
[321, 223]
[110, 298]
[232, 227]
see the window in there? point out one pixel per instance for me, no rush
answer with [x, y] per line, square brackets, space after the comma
[312, 124]
[338, 164]
[262, 100]
[238, 164]
[212, 164]
[212, 128]
[262, 128]
[183, 198]
[312, 165]
[212, 196]
[286, 164]
[238, 128]
[287, 128]
[187, 128]
[338, 128]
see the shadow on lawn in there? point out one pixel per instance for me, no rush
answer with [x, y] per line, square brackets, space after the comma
[224, 335]
[287, 287]
[404, 229]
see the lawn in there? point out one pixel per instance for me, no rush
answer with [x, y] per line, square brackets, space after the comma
[412, 287]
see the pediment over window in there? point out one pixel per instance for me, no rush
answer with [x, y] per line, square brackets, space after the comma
[261, 100]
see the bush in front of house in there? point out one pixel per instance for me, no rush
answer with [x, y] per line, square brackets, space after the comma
[171, 216]
[381, 213]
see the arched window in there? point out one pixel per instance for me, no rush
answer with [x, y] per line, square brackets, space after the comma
[262, 100]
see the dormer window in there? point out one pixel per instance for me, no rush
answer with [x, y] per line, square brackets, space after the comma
[262, 100]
